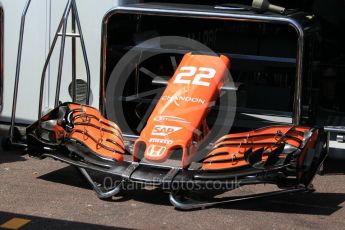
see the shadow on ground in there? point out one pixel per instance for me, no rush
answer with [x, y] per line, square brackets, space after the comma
[300, 203]
[68, 176]
[334, 166]
[11, 156]
[71, 176]
[47, 223]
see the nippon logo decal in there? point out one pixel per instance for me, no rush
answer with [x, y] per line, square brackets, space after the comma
[170, 118]
[178, 99]
[164, 130]
[155, 150]
[161, 141]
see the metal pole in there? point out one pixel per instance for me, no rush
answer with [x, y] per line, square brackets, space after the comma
[297, 103]
[62, 52]
[19, 58]
[74, 57]
[46, 64]
[84, 53]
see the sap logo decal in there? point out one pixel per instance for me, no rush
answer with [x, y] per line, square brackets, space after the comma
[164, 130]
[155, 150]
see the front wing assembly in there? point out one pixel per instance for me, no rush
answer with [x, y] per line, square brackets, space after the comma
[287, 156]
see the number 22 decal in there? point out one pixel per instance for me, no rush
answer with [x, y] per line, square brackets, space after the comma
[200, 74]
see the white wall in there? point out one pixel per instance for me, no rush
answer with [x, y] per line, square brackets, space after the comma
[33, 54]
[41, 24]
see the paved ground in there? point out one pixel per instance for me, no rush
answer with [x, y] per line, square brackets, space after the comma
[53, 196]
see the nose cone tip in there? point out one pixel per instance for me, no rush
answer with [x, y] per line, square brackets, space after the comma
[156, 153]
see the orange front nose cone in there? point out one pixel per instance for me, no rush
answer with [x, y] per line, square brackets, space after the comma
[182, 109]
